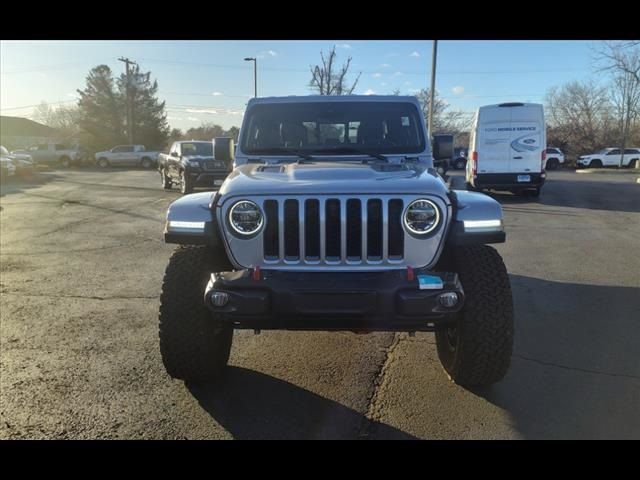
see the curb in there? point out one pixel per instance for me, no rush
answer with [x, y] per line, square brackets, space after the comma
[634, 171]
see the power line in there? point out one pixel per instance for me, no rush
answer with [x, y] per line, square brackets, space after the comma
[37, 105]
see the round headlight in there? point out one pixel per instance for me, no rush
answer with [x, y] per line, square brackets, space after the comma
[421, 216]
[246, 217]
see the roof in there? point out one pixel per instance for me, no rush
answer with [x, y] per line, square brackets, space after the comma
[23, 127]
[333, 98]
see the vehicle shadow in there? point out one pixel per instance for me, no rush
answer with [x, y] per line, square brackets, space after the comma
[575, 370]
[26, 182]
[252, 405]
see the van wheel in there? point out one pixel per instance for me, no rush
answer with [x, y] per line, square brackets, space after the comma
[476, 351]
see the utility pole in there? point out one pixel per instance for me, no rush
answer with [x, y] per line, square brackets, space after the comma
[129, 102]
[433, 85]
[255, 74]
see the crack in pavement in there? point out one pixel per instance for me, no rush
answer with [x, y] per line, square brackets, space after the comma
[87, 297]
[578, 369]
[372, 414]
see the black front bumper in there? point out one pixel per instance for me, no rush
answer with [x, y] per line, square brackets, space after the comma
[356, 301]
[508, 181]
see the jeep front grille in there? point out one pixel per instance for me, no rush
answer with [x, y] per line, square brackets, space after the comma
[333, 232]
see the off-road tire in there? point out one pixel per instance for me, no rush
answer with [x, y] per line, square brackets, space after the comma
[186, 185]
[165, 181]
[479, 351]
[103, 162]
[146, 163]
[194, 345]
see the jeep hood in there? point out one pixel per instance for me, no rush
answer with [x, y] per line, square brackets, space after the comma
[335, 177]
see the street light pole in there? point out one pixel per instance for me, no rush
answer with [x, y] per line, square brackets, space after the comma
[255, 74]
[433, 85]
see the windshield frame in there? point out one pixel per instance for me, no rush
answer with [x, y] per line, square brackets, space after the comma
[413, 113]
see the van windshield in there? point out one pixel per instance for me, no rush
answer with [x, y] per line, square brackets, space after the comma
[331, 127]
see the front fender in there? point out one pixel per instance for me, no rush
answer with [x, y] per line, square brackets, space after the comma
[190, 221]
[477, 219]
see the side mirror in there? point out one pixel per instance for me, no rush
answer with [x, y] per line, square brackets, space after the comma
[223, 149]
[174, 154]
[442, 146]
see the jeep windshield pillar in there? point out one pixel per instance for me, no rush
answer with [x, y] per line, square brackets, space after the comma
[335, 219]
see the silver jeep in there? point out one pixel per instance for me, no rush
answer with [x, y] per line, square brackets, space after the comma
[335, 219]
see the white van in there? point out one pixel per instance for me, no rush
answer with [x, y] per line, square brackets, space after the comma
[507, 148]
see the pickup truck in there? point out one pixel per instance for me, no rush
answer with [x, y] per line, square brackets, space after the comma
[52, 154]
[194, 163]
[126, 155]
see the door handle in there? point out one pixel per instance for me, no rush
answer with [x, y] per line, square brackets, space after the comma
[518, 158]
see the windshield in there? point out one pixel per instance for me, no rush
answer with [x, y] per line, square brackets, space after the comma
[603, 151]
[326, 127]
[204, 149]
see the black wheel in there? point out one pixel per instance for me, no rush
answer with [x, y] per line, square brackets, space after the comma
[165, 180]
[477, 350]
[146, 163]
[634, 163]
[552, 164]
[103, 162]
[460, 164]
[65, 162]
[194, 344]
[595, 164]
[186, 185]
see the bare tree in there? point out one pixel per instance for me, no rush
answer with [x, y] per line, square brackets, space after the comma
[579, 117]
[445, 120]
[327, 79]
[622, 61]
[65, 119]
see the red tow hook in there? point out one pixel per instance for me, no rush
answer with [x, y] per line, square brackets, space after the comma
[255, 274]
[410, 274]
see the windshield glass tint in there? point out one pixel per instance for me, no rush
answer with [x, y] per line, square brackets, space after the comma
[381, 127]
[198, 148]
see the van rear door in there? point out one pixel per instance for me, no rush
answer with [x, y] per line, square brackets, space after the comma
[493, 140]
[528, 139]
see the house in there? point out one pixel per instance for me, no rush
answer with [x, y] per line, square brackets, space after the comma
[18, 132]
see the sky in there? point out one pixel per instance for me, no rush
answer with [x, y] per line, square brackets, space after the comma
[209, 81]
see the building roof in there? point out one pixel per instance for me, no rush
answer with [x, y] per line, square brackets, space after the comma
[23, 127]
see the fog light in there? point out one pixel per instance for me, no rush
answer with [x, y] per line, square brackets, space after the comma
[448, 299]
[219, 299]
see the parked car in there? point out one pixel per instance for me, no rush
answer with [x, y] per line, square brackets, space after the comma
[354, 232]
[459, 158]
[126, 156]
[508, 148]
[610, 157]
[23, 163]
[442, 164]
[192, 164]
[555, 158]
[7, 168]
[53, 154]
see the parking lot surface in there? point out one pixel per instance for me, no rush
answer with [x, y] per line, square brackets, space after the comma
[81, 265]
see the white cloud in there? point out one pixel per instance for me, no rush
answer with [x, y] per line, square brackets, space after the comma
[413, 91]
[72, 95]
[175, 118]
[407, 82]
[376, 75]
[384, 84]
[202, 110]
[415, 54]
[343, 45]
[458, 89]
[216, 94]
[369, 92]
[267, 53]
[193, 119]
[385, 65]
[397, 74]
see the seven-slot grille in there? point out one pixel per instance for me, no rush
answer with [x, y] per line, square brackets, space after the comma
[333, 231]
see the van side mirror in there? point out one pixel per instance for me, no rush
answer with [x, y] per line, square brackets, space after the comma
[442, 146]
[223, 149]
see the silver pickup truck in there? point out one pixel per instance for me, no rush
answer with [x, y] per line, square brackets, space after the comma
[126, 156]
[335, 219]
[53, 154]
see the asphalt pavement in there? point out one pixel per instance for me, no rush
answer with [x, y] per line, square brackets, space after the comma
[81, 265]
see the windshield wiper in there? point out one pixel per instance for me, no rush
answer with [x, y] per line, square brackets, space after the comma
[293, 151]
[362, 152]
